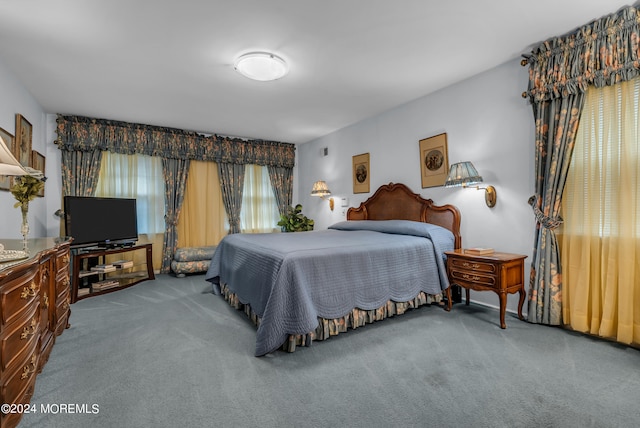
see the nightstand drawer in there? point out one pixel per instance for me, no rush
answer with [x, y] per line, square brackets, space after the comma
[475, 277]
[473, 265]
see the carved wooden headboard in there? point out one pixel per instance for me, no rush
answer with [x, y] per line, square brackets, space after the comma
[396, 202]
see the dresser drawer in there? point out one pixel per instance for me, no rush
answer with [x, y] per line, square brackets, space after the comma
[17, 385]
[62, 307]
[473, 266]
[474, 277]
[62, 262]
[19, 339]
[19, 295]
[63, 284]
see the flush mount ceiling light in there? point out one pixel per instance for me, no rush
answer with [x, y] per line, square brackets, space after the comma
[262, 66]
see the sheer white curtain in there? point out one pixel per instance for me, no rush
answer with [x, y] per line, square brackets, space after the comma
[259, 213]
[601, 210]
[139, 177]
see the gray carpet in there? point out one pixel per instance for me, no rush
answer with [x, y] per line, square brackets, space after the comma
[168, 353]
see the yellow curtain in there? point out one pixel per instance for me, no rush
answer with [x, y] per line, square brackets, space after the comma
[202, 218]
[600, 236]
[259, 212]
[140, 177]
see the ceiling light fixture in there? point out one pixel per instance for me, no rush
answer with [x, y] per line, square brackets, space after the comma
[261, 66]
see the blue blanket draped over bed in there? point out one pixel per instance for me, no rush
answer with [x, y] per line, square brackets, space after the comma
[291, 279]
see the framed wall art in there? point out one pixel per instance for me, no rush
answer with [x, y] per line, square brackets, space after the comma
[361, 173]
[24, 134]
[5, 182]
[434, 161]
[37, 162]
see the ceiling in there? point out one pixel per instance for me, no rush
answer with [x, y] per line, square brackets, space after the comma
[170, 63]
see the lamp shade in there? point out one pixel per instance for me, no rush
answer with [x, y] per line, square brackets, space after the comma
[320, 189]
[462, 174]
[8, 163]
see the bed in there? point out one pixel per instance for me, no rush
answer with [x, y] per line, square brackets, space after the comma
[302, 287]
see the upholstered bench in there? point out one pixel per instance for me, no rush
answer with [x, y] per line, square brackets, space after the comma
[192, 260]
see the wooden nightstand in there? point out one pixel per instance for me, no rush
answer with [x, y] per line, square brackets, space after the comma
[502, 273]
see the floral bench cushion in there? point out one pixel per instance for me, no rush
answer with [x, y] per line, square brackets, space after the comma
[190, 254]
[192, 260]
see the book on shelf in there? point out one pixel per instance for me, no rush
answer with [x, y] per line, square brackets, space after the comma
[103, 285]
[479, 250]
[84, 273]
[105, 265]
[103, 268]
[123, 264]
[83, 291]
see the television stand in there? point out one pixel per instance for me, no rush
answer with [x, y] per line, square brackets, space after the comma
[98, 271]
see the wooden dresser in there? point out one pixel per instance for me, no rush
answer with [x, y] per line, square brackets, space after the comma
[34, 309]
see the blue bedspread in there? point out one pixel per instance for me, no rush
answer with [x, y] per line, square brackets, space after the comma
[291, 279]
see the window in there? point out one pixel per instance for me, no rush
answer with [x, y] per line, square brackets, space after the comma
[135, 176]
[259, 212]
[603, 180]
[601, 208]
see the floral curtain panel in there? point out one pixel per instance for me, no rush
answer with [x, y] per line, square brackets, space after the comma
[603, 52]
[77, 133]
[176, 172]
[282, 183]
[232, 184]
[80, 172]
[556, 126]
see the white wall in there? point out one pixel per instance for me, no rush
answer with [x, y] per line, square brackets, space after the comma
[486, 121]
[16, 99]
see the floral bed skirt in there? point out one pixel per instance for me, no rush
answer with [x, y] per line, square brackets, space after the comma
[332, 327]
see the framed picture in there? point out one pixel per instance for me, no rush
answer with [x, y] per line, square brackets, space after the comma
[37, 162]
[24, 133]
[5, 182]
[434, 161]
[361, 173]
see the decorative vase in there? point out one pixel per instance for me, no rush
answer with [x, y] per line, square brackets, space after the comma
[25, 226]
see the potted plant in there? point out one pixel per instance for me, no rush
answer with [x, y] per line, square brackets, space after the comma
[295, 221]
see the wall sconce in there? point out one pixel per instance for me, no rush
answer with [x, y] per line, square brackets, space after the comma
[465, 174]
[320, 189]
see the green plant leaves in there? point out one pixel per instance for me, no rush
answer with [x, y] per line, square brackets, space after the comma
[295, 221]
[25, 189]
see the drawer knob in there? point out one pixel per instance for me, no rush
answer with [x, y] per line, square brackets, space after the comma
[29, 291]
[28, 371]
[29, 330]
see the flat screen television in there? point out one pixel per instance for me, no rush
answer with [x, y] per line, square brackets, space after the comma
[103, 222]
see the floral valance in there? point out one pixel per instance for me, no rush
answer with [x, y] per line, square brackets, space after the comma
[77, 133]
[601, 53]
